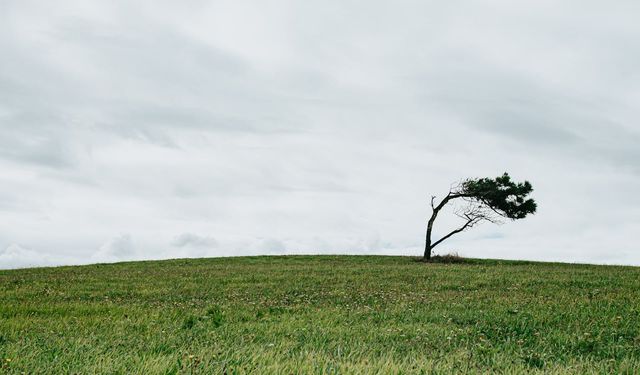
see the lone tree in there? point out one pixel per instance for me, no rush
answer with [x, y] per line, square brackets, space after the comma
[484, 199]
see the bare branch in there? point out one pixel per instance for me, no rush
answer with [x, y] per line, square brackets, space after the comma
[483, 199]
[468, 224]
[473, 214]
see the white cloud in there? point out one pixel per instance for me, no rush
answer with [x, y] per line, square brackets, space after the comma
[283, 127]
[16, 256]
[120, 247]
[193, 245]
[271, 246]
[194, 240]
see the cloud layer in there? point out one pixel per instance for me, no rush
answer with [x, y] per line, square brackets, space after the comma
[153, 130]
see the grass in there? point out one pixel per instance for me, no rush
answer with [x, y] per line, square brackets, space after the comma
[320, 315]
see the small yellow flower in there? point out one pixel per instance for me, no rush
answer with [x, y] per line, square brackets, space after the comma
[191, 356]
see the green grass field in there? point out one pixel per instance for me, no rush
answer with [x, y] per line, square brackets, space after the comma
[320, 314]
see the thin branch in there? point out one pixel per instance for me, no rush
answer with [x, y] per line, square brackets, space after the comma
[473, 214]
[468, 224]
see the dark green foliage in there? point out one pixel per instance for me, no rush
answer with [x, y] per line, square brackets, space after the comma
[486, 199]
[505, 197]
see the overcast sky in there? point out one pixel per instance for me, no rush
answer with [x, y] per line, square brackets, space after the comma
[157, 129]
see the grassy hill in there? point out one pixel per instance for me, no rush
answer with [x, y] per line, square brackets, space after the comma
[320, 314]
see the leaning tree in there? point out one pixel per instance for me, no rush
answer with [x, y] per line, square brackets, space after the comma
[483, 199]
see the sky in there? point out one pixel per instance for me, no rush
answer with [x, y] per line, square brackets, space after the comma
[155, 129]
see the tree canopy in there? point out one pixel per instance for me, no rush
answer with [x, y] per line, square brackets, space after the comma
[485, 199]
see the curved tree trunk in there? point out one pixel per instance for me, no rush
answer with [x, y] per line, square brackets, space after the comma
[428, 247]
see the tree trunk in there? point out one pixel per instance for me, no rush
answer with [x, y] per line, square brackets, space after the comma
[435, 209]
[427, 246]
[427, 250]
